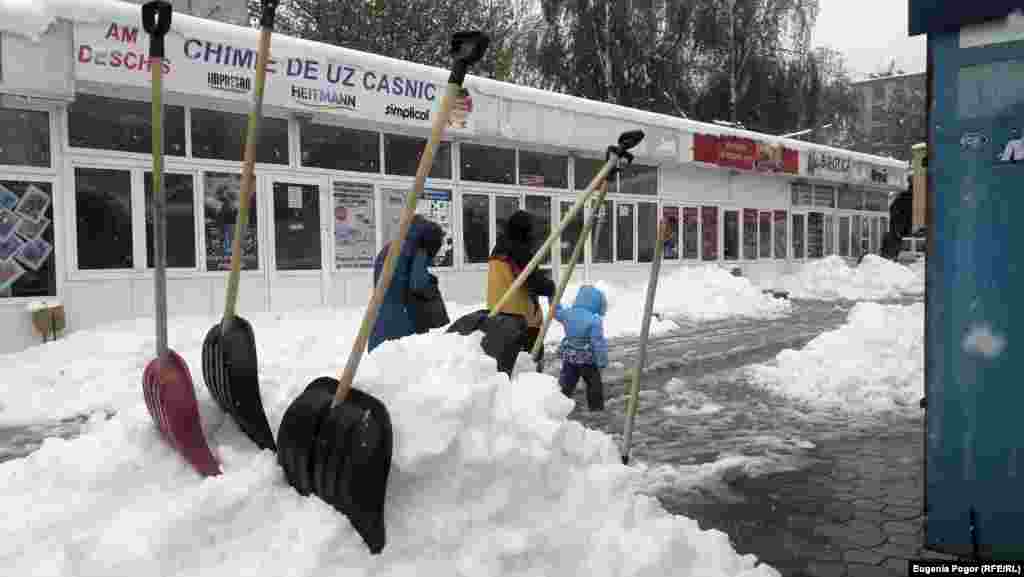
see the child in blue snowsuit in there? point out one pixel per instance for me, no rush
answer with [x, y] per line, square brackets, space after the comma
[584, 350]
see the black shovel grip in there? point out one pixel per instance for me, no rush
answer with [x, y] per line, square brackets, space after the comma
[468, 47]
[627, 140]
[156, 21]
[268, 14]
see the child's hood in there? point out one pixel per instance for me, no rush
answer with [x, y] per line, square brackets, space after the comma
[591, 299]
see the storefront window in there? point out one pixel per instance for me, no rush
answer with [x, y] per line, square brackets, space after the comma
[874, 234]
[671, 216]
[639, 179]
[815, 235]
[749, 234]
[297, 226]
[26, 137]
[434, 205]
[765, 230]
[221, 136]
[646, 230]
[488, 164]
[709, 221]
[624, 232]
[830, 235]
[851, 198]
[123, 125]
[585, 171]
[824, 195]
[779, 218]
[798, 236]
[181, 223]
[691, 232]
[844, 236]
[355, 228]
[602, 235]
[337, 148]
[540, 208]
[103, 214]
[504, 208]
[865, 235]
[543, 170]
[855, 237]
[731, 240]
[571, 233]
[27, 263]
[476, 227]
[222, 193]
[402, 156]
[802, 194]
[875, 201]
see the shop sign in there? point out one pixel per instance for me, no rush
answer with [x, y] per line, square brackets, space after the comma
[744, 154]
[828, 164]
[114, 51]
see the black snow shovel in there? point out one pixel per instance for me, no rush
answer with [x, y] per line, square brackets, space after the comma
[230, 367]
[503, 334]
[166, 382]
[336, 441]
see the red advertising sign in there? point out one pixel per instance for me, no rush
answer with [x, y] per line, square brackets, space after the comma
[744, 154]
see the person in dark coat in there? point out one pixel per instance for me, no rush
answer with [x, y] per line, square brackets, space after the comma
[412, 277]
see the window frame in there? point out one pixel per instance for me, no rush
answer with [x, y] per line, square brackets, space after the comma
[492, 193]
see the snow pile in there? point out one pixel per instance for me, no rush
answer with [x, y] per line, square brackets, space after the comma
[831, 278]
[686, 401]
[489, 477]
[699, 293]
[875, 362]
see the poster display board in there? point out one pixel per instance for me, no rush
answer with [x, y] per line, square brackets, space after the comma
[435, 205]
[355, 225]
[221, 200]
[27, 267]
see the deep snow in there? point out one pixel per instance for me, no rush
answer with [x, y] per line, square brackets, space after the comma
[489, 477]
[831, 278]
[874, 362]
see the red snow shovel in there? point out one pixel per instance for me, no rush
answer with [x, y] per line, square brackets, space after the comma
[166, 382]
[336, 441]
[230, 367]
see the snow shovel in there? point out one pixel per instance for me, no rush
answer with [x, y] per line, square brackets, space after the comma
[336, 441]
[230, 366]
[645, 330]
[503, 334]
[577, 252]
[166, 382]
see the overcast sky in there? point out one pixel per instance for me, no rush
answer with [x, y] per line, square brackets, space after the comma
[870, 33]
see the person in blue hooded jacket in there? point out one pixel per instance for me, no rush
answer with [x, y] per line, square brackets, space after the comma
[412, 282]
[584, 350]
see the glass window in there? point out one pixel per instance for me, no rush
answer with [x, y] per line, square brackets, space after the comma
[355, 226]
[639, 179]
[732, 235]
[540, 208]
[585, 171]
[749, 234]
[851, 198]
[624, 232]
[875, 201]
[571, 233]
[504, 208]
[815, 235]
[103, 213]
[543, 170]
[885, 226]
[181, 223]
[844, 236]
[855, 237]
[798, 236]
[765, 229]
[337, 148]
[671, 216]
[865, 234]
[402, 156]
[434, 204]
[691, 232]
[221, 136]
[830, 235]
[123, 125]
[27, 263]
[874, 234]
[222, 192]
[26, 137]
[802, 194]
[601, 237]
[488, 164]
[824, 195]
[709, 222]
[780, 233]
[646, 230]
[476, 227]
[296, 226]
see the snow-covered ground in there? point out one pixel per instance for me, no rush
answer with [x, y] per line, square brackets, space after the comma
[875, 362]
[489, 477]
[831, 278]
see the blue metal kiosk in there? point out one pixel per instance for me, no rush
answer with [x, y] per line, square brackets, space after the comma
[974, 383]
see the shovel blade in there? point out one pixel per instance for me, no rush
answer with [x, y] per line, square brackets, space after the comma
[231, 373]
[171, 400]
[298, 431]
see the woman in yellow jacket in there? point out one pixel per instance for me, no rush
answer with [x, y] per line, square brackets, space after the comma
[513, 250]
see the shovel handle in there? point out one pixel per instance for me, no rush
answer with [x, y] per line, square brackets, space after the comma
[156, 21]
[466, 49]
